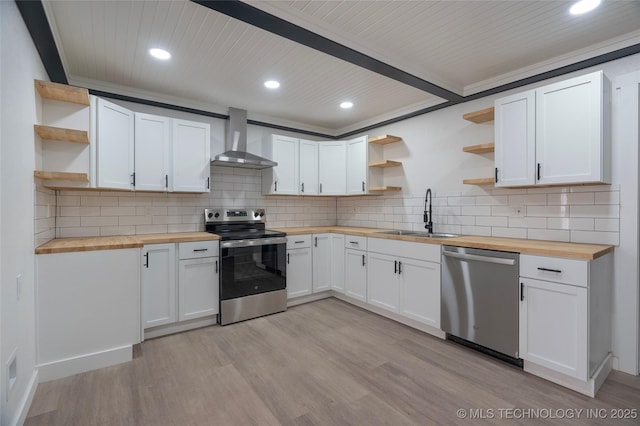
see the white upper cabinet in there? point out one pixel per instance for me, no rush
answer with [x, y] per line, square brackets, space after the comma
[282, 179]
[357, 166]
[308, 167]
[115, 141]
[191, 160]
[152, 143]
[332, 167]
[570, 136]
[554, 135]
[515, 143]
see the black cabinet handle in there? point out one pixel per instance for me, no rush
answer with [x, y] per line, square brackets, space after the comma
[321, 188]
[196, 250]
[496, 175]
[539, 171]
[147, 257]
[298, 242]
[399, 267]
[363, 260]
[288, 258]
[216, 266]
[521, 291]
[316, 242]
[208, 183]
[558, 271]
[133, 177]
[302, 187]
[275, 186]
[166, 181]
[395, 266]
[362, 186]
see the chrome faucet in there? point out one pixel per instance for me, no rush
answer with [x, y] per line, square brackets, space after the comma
[428, 214]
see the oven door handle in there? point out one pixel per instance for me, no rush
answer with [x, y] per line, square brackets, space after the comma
[253, 242]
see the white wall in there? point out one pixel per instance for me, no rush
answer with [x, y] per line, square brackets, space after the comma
[432, 156]
[20, 65]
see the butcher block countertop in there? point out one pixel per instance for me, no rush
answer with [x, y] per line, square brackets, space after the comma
[67, 245]
[536, 247]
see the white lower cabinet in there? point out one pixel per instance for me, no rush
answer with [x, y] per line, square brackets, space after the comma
[337, 262]
[169, 297]
[158, 284]
[198, 288]
[322, 258]
[355, 280]
[299, 261]
[404, 278]
[565, 320]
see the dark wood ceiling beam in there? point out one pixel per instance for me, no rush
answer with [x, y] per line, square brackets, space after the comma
[261, 19]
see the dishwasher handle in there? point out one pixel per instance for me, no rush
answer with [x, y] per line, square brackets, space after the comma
[475, 257]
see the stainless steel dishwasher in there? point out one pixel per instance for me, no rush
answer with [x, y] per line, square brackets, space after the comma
[480, 297]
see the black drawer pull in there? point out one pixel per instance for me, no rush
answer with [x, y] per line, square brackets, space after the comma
[399, 267]
[298, 242]
[288, 258]
[354, 242]
[558, 271]
[395, 266]
[363, 260]
[200, 249]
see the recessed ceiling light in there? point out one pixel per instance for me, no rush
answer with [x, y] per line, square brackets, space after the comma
[160, 54]
[271, 84]
[346, 105]
[584, 6]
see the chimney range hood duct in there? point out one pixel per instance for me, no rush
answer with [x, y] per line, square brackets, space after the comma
[236, 154]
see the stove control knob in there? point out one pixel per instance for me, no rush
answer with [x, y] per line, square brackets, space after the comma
[217, 215]
[256, 214]
[261, 214]
[210, 215]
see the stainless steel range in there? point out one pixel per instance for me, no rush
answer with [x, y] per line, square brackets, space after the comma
[253, 272]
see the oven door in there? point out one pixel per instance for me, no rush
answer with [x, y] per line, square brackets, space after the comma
[252, 267]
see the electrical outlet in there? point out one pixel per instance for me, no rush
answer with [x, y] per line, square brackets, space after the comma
[18, 286]
[516, 211]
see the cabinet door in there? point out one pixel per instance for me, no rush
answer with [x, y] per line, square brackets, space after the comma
[198, 288]
[337, 262]
[308, 167]
[383, 285]
[515, 118]
[322, 272]
[299, 275]
[553, 327]
[332, 165]
[284, 177]
[355, 284]
[152, 138]
[569, 131]
[191, 163]
[114, 127]
[420, 288]
[158, 284]
[357, 166]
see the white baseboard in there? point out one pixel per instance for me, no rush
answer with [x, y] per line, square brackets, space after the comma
[306, 299]
[163, 330]
[25, 405]
[391, 315]
[79, 364]
[589, 388]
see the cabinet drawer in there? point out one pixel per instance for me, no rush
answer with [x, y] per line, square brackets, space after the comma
[298, 241]
[566, 271]
[196, 249]
[420, 251]
[358, 243]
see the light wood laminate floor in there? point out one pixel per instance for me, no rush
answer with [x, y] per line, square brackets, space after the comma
[322, 363]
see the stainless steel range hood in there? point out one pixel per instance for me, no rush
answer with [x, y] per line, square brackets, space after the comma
[236, 154]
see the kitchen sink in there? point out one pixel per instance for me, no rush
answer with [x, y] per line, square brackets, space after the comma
[420, 234]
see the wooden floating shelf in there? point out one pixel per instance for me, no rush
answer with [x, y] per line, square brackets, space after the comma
[479, 181]
[482, 116]
[384, 139]
[385, 188]
[68, 176]
[62, 92]
[60, 134]
[385, 163]
[480, 149]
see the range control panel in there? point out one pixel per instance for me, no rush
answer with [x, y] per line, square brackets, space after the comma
[234, 215]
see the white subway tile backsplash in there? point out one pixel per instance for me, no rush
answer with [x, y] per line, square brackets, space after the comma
[475, 210]
[151, 229]
[509, 232]
[548, 234]
[547, 211]
[89, 231]
[134, 220]
[461, 201]
[91, 200]
[476, 230]
[529, 199]
[601, 210]
[106, 231]
[607, 197]
[571, 198]
[491, 221]
[493, 200]
[117, 211]
[609, 225]
[99, 221]
[528, 222]
[612, 238]
[578, 224]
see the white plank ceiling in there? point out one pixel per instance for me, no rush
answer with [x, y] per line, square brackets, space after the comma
[464, 46]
